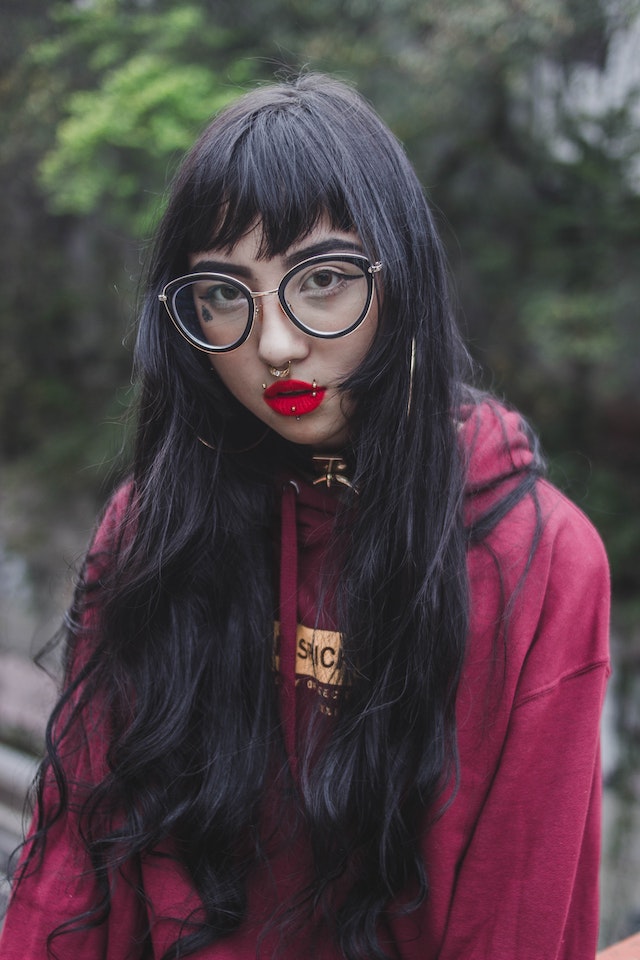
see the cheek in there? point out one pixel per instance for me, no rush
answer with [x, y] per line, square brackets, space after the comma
[356, 347]
[233, 372]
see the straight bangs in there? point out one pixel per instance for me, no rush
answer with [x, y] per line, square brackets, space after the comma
[279, 171]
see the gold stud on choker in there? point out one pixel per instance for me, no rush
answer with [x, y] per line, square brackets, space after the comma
[332, 470]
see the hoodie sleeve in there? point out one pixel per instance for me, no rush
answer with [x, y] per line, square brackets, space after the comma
[60, 886]
[525, 881]
[59, 889]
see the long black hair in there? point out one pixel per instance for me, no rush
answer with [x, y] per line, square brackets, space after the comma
[178, 650]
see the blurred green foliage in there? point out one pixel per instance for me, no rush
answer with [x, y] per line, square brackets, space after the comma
[152, 83]
[528, 146]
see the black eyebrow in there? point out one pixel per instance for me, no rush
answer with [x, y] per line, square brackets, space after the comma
[330, 245]
[221, 266]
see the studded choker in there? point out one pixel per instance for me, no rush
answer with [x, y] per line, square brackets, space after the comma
[331, 470]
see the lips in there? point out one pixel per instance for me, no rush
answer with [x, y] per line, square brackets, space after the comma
[293, 398]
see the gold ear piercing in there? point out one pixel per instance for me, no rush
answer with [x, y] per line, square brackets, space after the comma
[412, 369]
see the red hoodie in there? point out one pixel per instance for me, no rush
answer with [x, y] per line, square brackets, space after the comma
[513, 862]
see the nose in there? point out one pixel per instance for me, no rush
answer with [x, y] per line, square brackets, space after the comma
[280, 341]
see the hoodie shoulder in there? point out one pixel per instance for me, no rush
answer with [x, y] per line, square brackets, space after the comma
[539, 566]
[114, 524]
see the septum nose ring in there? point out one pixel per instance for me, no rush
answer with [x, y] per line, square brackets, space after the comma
[280, 372]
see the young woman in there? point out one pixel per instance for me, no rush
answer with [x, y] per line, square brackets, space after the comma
[337, 656]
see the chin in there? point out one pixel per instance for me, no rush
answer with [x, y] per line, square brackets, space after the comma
[306, 434]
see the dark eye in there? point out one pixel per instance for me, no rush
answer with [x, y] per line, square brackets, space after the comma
[222, 293]
[322, 279]
[220, 296]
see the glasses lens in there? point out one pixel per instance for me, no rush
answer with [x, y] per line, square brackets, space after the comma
[329, 296]
[212, 310]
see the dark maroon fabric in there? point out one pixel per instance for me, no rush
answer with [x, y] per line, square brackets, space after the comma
[513, 860]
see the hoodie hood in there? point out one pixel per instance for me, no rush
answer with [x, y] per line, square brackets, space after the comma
[498, 449]
[498, 445]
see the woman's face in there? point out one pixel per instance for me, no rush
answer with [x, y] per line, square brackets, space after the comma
[311, 411]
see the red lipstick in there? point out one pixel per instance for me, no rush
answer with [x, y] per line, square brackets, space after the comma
[293, 398]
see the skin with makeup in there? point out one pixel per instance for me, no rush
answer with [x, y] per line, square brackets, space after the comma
[306, 407]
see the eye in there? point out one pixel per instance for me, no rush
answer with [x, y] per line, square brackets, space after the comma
[219, 296]
[221, 293]
[321, 279]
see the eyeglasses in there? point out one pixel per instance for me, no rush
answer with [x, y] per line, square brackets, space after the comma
[326, 296]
